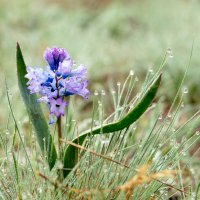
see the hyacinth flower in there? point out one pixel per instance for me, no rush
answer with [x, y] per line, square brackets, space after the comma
[59, 80]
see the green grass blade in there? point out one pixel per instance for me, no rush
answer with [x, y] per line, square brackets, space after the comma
[70, 156]
[35, 112]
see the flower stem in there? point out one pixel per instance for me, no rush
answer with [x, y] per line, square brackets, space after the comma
[59, 133]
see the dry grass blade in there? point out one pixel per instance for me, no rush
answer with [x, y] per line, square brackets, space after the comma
[5, 188]
[95, 153]
[143, 177]
[171, 186]
[56, 184]
[66, 189]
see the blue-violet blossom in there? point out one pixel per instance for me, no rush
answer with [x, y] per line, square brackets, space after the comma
[59, 80]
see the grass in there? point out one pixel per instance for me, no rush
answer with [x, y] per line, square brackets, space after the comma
[111, 38]
[164, 140]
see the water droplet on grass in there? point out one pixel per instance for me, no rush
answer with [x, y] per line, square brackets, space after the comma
[197, 133]
[183, 153]
[96, 93]
[150, 70]
[39, 190]
[182, 105]
[7, 132]
[131, 73]
[185, 90]
[170, 53]
[176, 146]
[192, 171]
[172, 142]
[103, 92]
[105, 142]
[169, 115]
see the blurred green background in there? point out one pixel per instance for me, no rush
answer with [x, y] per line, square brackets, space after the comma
[110, 37]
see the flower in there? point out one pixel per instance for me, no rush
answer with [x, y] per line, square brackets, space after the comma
[57, 106]
[54, 56]
[59, 80]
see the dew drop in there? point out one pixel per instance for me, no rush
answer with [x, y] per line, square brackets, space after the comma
[60, 165]
[153, 105]
[132, 73]
[103, 92]
[136, 79]
[150, 70]
[7, 132]
[165, 194]
[138, 95]
[185, 90]
[193, 196]
[183, 153]
[197, 133]
[24, 196]
[170, 53]
[131, 106]
[172, 142]
[134, 128]
[96, 93]
[165, 157]
[74, 62]
[96, 122]
[192, 170]
[118, 83]
[169, 115]
[184, 139]
[113, 91]
[170, 167]
[39, 190]
[169, 50]
[105, 142]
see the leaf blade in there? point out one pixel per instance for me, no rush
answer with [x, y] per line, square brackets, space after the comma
[70, 156]
[35, 112]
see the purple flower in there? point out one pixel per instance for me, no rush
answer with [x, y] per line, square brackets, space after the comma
[57, 106]
[59, 80]
[77, 85]
[54, 56]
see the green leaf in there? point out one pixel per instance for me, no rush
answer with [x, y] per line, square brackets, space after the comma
[71, 152]
[35, 112]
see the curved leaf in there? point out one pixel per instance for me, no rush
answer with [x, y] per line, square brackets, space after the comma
[35, 112]
[71, 153]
